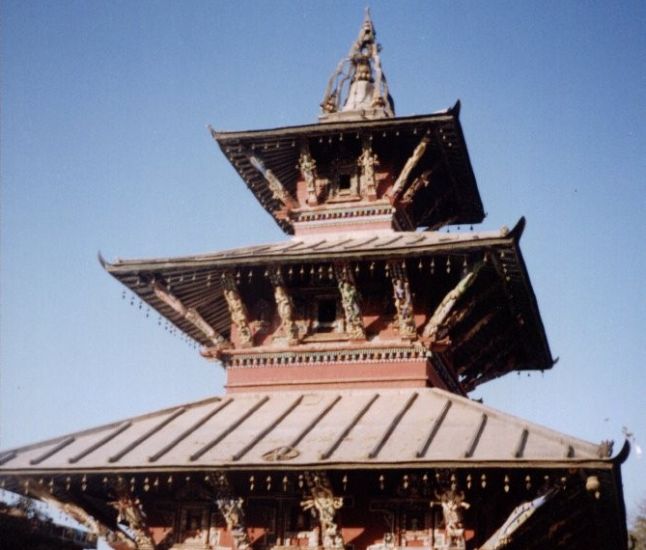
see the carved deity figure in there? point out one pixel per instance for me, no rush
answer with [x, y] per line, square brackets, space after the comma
[324, 505]
[403, 301]
[367, 162]
[350, 301]
[286, 313]
[307, 166]
[284, 306]
[237, 309]
[231, 509]
[130, 511]
[453, 504]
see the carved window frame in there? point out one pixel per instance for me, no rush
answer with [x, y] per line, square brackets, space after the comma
[341, 169]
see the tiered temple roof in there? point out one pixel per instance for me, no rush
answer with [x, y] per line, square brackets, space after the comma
[349, 351]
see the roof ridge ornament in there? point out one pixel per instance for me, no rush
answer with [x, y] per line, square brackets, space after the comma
[358, 89]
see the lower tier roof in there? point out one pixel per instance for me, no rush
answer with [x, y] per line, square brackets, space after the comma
[424, 427]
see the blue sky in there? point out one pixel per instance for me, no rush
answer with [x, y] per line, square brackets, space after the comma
[104, 143]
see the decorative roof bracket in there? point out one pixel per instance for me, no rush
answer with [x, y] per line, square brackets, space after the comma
[420, 181]
[80, 515]
[413, 160]
[322, 502]
[278, 190]
[232, 510]
[452, 503]
[130, 511]
[442, 311]
[190, 314]
[367, 162]
[350, 301]
[307, 166]
[237, 309]
[284, 306]
[403, 299]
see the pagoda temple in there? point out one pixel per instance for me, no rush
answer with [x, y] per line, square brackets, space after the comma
[350, 349]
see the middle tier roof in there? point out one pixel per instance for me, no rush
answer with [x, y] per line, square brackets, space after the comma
[494, 325]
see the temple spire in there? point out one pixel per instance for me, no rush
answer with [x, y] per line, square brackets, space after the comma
[358, 89]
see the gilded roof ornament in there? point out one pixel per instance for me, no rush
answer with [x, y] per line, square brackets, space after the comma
[358, 88]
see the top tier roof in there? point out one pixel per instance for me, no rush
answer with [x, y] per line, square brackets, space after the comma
[449, 197]
[410, 172]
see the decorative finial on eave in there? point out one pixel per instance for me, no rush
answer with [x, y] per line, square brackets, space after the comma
[358, 87]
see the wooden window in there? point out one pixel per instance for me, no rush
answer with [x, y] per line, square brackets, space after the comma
[326, 315]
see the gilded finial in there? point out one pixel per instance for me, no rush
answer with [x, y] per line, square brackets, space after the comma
[358, 88]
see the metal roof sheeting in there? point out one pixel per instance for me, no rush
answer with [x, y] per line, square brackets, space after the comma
[334, 245]
[355, 428]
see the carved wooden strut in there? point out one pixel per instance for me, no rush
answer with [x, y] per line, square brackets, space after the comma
[191, 315]
[88, 521]
[130, 511]
[323, 505]
[412, 161]
[420, 181]
[453, 503]
[307, 166]
[233, 513]
[350, 301]
[237, 309]
[403, 300]
[367, 162]
[278, 190]
[442, 311]
[284, 306]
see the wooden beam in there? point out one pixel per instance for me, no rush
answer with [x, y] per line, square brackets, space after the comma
[420, 181]
[82, 516]
[448, 302]
[413, 160]
[475, 330]
[278, 190]
[190, 314]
